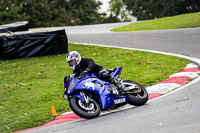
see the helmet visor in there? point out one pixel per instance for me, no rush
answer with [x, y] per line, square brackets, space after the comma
[71, 62]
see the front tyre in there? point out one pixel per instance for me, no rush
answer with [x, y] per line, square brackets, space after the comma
[85, 110]
[137, 98]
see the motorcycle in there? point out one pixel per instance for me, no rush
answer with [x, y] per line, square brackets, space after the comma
[90, 95]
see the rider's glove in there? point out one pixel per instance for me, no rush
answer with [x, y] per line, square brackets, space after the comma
[84, 73]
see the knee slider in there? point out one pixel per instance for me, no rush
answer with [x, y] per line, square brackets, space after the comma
[105, 75]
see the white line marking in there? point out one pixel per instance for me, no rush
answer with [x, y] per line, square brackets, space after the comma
[162, 88]
[188, 74]
[193, 59]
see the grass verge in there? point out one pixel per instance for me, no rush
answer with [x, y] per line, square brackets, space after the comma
[29, 87]
[181, 21]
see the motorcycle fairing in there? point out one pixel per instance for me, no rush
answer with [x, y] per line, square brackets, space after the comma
[91, 83]
[116, 72]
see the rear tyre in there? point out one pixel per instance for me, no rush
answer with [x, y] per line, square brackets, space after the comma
[139, 98]
[88, 111]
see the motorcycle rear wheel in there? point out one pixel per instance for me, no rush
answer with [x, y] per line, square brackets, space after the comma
[137, 99]
[88, 111]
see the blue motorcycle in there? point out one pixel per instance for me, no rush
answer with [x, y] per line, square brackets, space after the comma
[89, 96]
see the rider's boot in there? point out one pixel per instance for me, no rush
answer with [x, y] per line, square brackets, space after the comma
[113, 90]
[120, 87]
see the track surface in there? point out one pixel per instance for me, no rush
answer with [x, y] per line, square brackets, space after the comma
[178, 112]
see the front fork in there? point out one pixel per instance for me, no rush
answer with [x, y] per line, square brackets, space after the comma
[85, 97]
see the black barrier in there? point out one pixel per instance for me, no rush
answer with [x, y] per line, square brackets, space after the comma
[13, 27]
[23, 45]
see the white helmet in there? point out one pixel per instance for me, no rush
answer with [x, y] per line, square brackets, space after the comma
[74, 59]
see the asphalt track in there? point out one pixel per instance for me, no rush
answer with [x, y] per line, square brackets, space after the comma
[174, 113]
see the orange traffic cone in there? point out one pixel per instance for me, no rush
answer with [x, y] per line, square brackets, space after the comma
[53, 111]
[130, 27]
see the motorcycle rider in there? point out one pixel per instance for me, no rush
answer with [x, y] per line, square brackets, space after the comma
[84, 66]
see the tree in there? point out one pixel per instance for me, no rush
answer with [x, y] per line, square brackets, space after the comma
[46, 13]
[150, 9]
[86, 11]
[117, 9]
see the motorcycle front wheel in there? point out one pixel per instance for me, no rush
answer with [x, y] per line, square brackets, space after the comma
[138, 98]
[85, 110]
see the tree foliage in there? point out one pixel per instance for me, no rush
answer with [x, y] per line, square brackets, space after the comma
[150, 9]
[48, 13]
[118, 10]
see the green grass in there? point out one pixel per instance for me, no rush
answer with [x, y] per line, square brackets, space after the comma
[181, 21]
[29, 87]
